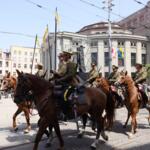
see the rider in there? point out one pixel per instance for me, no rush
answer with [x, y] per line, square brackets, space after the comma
[141, 76]
[62, 66]
[40, 71]
[93, 74]
[70, 70]
[114, 75]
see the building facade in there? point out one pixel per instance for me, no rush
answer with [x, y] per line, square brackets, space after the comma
[21, 59]
[94, 40]
[5, 63]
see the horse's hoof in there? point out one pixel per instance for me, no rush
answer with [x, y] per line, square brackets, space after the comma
[104, 136]
[15, 129]
[80, 135]
[62, 148]
[26, 131]
[48, 145]
[130, 135]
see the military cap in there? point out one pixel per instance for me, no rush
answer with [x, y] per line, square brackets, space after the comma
[114, 67]
[138, 64]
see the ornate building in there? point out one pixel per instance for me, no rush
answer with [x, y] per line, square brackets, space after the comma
[127, 49]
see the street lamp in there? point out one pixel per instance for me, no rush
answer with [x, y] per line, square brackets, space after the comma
[108, 7]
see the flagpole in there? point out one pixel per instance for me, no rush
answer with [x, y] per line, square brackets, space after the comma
[33, 53]
[55, 40]
[50, 54]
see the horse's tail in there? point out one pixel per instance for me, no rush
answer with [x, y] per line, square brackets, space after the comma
[110, 110]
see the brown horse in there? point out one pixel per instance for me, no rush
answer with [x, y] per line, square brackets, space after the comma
[9, 83]
[45, 101]
[131, 100]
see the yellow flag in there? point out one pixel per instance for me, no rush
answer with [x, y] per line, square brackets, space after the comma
[45, 35]
[57, 17]
[37, 41]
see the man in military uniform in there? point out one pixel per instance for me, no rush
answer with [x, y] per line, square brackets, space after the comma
[40, 71]
[93, 74]
[69, 70]
[62, 67]
[141, 74]
[114, 75]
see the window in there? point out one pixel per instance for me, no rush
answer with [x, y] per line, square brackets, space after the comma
[19, 65]
[106, 58]
[6, 71]
[0, 63]
[30, 66]
[133, 59]
[26, 53]
[143, 45]
[94, 57]
[120, 43]
[120, 62]
[19, 52]
[143, 59]
[133, 44]
[7, 64]
[0, 55]
[14, 65]
[25, 65]
[105, 44]
[7, 55]
[106, 74]
[0, 71]
[94, 43]
[30, 53]
[14, 73]
[36, 60]
[15, 52]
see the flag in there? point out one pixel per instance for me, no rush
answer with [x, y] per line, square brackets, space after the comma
[113, 53]
[120, 53]
[37, 41]
[45, 34]
[57, 17]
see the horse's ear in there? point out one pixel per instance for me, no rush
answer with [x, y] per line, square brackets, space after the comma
[8, 75]
[18, 72]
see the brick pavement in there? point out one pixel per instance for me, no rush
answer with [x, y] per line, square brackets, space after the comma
[118, 137]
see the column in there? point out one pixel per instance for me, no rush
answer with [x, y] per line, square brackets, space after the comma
[101, 57]
[127, 56]
[139, 52]
[87, 56]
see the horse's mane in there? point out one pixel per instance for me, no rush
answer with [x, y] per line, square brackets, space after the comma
[38, 80]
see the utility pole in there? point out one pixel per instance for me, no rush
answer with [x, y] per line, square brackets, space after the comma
[109, 6]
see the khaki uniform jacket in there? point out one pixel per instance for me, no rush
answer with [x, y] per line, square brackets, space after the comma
[70, 74]
[40, 73]
[113, 76]
[62, 69]
[141, 76]
[93, 75]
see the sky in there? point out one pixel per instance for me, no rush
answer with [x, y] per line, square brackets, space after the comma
[22, 16]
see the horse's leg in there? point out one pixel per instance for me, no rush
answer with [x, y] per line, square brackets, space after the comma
[133, 124]
[100, 131]
[125, 125]
[50, 136]
[42, 127]
[58, 133]
[81, 132]
[27, 116]
[19, 110]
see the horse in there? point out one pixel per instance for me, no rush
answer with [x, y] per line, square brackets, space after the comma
[46, 103]
[9, 83]
[131, 100]
[107, 88]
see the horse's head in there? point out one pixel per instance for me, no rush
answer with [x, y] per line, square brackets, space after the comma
[28, 83]
[8, 82]
[23, 86]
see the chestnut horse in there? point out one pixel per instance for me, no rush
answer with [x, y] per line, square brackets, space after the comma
[9, 83]
[131, 100]
[46, 103]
